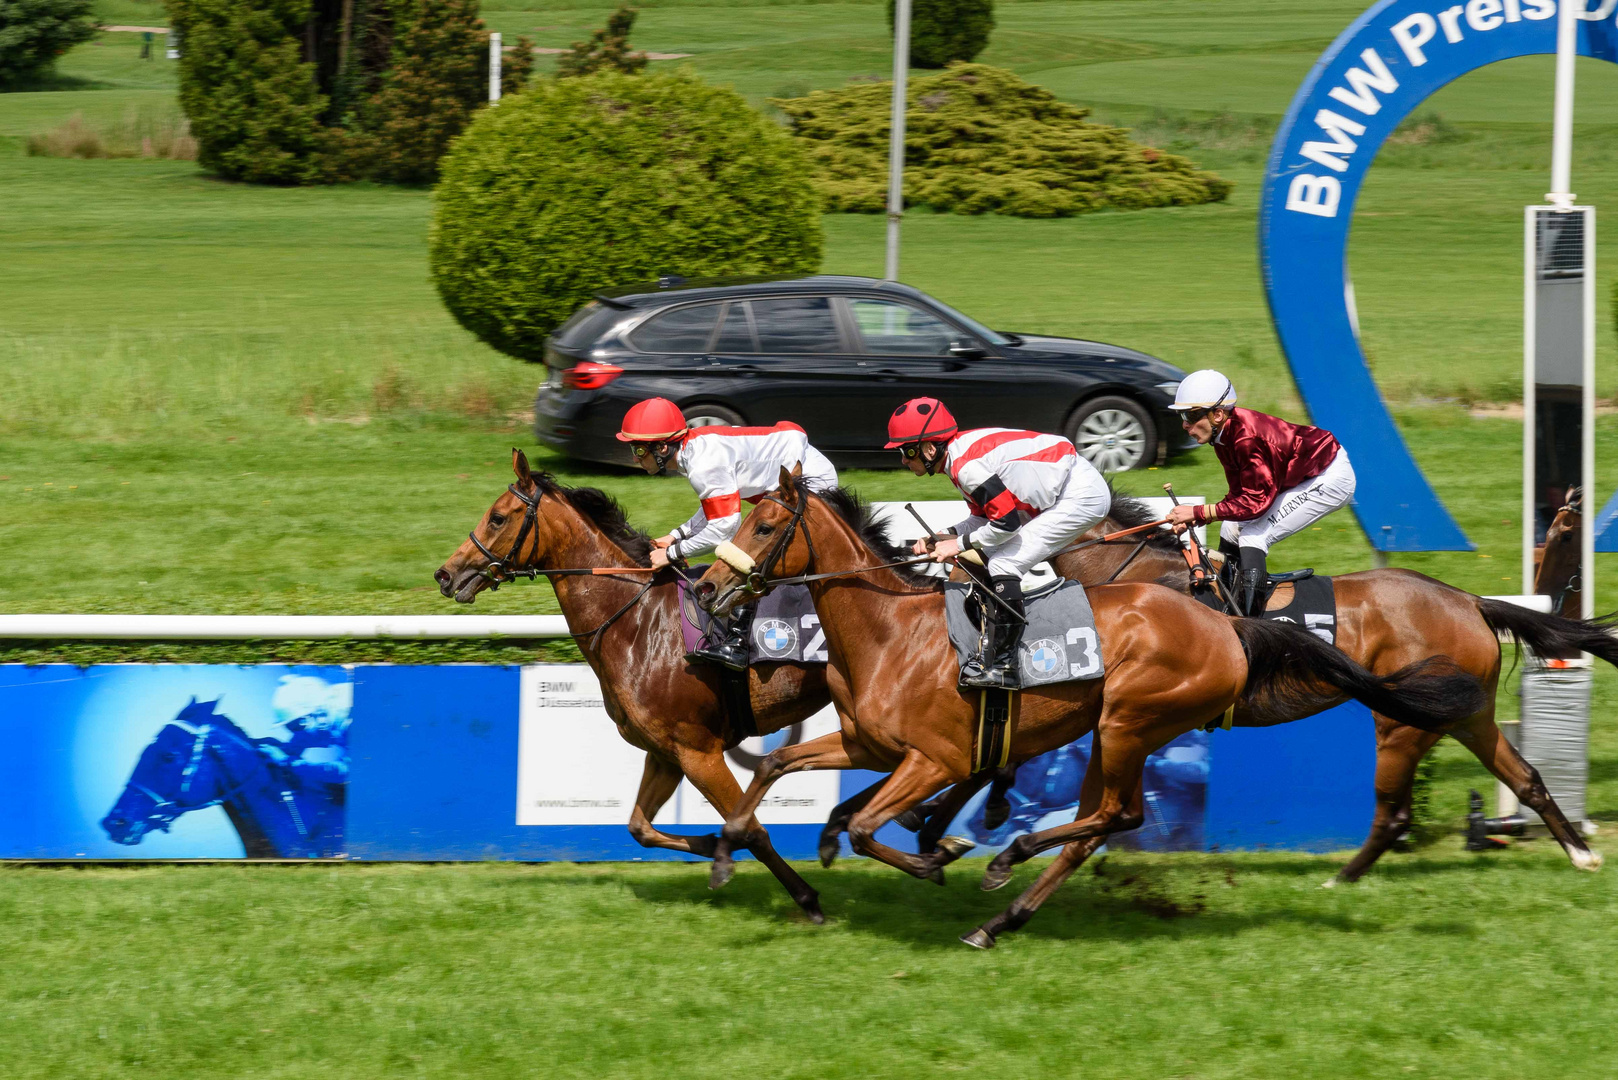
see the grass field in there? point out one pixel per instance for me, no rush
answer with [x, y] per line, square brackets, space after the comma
[216, 398]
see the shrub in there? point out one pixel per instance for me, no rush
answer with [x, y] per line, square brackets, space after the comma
[611, 179]
[944, 31]
[33, 33]
[980, 140]
[140, 134]
[607, 49]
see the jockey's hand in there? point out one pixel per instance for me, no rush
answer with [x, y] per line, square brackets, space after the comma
[660, 556]
[946, 549]
[1182, 517]
[663, 541]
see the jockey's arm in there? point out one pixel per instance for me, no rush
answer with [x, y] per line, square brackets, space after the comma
[1250, 495]
[716, 522]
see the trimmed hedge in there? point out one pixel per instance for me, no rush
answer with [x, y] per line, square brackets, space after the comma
[980, 140]
[609, 179]
[944, 31]
[33, 33]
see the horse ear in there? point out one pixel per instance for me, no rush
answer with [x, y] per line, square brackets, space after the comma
[789, 490]
[519, 465]
[797, 470]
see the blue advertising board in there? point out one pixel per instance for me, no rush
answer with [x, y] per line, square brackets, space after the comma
[475, 762]
[1374, 75]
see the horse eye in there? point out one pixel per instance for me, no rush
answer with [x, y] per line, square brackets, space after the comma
[763, 530]
[497, 520]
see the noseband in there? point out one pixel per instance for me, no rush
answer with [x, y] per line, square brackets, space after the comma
[757, 580]
[501, 570]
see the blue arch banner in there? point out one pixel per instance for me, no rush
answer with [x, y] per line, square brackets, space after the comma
[1374, 75]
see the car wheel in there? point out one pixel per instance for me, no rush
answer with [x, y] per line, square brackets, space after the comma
[706, 414]
[1114, 434]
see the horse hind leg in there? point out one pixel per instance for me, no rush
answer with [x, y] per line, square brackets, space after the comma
[1398, 752]
[1485, 739]
[1022, 909]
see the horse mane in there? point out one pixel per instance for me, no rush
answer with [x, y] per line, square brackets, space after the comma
[1127, 512]
[857, 515]
[605, 512]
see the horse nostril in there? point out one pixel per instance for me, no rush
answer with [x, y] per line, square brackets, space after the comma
[705, 590]
[442, 576]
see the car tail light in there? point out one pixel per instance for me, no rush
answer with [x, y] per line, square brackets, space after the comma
[588, 376]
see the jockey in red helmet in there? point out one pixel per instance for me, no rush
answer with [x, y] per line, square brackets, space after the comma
[726, 466]
[1030, 495]
[1282, 478]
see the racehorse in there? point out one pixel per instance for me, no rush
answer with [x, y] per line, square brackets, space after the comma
[628, 627]
[204, 759]
[1171, 665]
[1557, 572]
[1385, 620]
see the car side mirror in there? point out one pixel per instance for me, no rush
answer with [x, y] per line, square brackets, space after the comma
[965, 350]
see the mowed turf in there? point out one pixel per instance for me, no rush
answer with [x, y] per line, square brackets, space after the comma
[218, 398]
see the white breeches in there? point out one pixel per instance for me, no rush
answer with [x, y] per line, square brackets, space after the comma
[1084, 502]
[1296, 508]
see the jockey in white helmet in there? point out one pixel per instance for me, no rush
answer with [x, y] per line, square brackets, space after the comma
[1283, 477]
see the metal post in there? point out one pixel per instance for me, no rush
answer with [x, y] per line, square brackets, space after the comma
[494, 67]
[1587, 464]
[1567, 28]
[896, 134]
[1530, 379]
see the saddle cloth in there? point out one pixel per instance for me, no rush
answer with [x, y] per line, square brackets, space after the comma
[1059, 644]
[1313, 607]
[785, 630]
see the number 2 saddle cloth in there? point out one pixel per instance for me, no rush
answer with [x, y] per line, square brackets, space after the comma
[1059, 644]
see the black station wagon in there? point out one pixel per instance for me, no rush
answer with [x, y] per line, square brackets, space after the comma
[837, 355]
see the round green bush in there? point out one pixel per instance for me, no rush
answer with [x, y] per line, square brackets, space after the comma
[581, 184]
[943, 31]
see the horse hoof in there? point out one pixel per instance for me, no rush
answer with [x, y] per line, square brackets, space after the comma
[812, 910]
[1329, 883]
[996, 812]
[723, 869]
[936, 875]
[828, 855]
[995, 877]
[911, 820]
[955, 846]
[1587, 860]
[979, 938]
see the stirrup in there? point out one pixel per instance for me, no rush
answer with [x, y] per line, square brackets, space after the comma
[734, 659]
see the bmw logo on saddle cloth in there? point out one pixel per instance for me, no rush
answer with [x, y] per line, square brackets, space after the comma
[776, 637]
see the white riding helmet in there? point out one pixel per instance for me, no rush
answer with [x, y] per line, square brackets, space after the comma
[1205, 389]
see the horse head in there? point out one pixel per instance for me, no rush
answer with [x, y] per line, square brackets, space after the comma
[172, 777]
[771, 542]
[536, 522]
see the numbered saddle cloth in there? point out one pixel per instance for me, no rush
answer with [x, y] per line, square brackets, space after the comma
[785, 630]
[1313, 606]
[1059, 644]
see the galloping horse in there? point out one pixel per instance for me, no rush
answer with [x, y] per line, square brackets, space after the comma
[1385, 620]
[628, 627]
[203, 759]
[1171, 665]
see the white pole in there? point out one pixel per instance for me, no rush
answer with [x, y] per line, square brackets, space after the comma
[1530, 324]
[494, 67]
[1587, 471]
[1567, 29]
[896, 136]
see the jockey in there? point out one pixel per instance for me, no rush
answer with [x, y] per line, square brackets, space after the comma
[1282, 478]
[726, 465]
[1030, 495]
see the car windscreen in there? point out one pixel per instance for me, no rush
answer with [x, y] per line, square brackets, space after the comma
[796, 324]
[679, 330]
[587, 324]
[973, 325]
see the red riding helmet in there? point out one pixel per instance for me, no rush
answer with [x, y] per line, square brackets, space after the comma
[653, 420]
[922, 419]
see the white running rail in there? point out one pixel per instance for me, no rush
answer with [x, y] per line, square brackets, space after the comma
[279, 627]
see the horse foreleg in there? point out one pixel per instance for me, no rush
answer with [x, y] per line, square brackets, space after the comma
[916, 778]
[658, 781]
[1398, 752]
[841, 815]
[712, 777]
[1022, 909]
[941, 809]
[827, 752]
[1484, 738]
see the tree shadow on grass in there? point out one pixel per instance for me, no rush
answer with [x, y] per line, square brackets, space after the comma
[54, 82]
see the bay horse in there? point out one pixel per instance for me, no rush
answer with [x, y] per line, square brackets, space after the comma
[1171, 664]
[1556, 573]
[1387, 619]
[628, 628]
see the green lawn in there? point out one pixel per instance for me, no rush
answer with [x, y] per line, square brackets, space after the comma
[219, 398]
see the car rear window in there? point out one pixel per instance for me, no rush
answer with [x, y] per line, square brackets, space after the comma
[894, 329]
[679, 330]
[796, 324]
[587, 324]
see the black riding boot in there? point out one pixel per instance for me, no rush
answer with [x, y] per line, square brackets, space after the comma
[997, 665]
[732, 649]
[1253, 582]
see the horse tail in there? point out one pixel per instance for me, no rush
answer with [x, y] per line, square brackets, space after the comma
[1551, 635]
[1292, 673]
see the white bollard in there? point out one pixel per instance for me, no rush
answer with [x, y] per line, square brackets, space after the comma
[494, 67]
